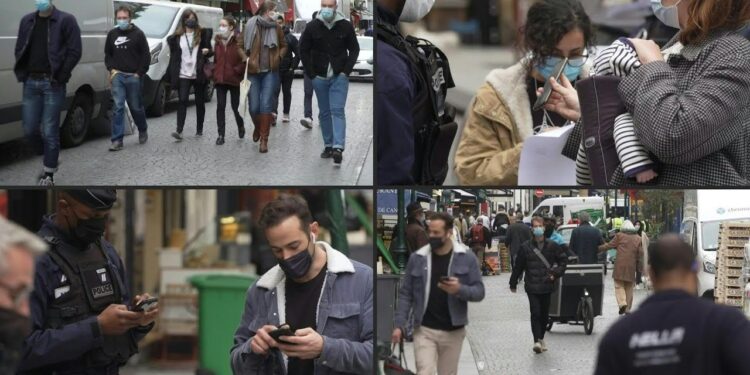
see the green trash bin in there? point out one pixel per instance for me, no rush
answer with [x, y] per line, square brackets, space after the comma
[221, 302]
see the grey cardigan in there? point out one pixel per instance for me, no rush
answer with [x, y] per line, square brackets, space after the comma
[693, 112]
[415, 286]
[344, 319]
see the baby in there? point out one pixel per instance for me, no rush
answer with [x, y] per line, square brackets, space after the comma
[620, 59]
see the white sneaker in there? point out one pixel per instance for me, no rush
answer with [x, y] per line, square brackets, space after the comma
[307, 122]
[537, 348]
[544, 345]
[46, 181]
[285, 117]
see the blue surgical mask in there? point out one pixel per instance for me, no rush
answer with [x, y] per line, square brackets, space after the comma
[546, 69]
[667, 15]
[538, 231]
[123, 24]
[327, 14]
[42, 5]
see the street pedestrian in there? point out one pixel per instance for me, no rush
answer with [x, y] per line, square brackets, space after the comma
[81, 315]
[190, 48]
[229, 68]
[47, 49]
[289, 63]
[501, 118]
[628, 262]
[439, 281]
[460, 224]
[479, 240]
[323, 296]
[544, 262]
[518, 233]
[501, 223]
[585, 240]
[265, 46]
[329, 50]
[307, 120]
[674, 332]
[18, 250]
[127, 57]
[416, 234]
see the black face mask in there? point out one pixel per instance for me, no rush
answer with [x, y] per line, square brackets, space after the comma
[87, 231]
[191, 23]
[436, 242]
[14, 328]
[296, 266]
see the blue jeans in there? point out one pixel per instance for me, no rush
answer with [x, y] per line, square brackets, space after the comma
[331, 94]
[263, 88]
[127, 87]
[308, 96]
[42, 102]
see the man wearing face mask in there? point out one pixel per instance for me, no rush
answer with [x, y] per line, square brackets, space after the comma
[439, 281]
[543, 261]
[127, 57]
[80, 307]
[18, 248]
[329, 51]
[690, 336]
[323, 296]
[47, 50]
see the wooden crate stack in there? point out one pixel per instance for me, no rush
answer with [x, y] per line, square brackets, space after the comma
[504, 257]
[731, 264]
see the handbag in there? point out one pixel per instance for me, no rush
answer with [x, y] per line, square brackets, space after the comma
[244, 92]
[208, 70]
[394, 365]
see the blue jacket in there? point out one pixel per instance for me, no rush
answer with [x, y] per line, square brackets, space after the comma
[585, 241]
[674, 333]
[60, 349]
[415, 286]
[395, 92]
[64, 47]
[344, 319]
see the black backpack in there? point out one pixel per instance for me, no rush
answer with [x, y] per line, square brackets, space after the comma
[434, 121]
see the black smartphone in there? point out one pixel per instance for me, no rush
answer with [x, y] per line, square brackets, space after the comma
[282, 331]
[445, 279]
[556, 73]
[146, 305]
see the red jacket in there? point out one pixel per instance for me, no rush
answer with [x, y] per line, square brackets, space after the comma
[229, 61]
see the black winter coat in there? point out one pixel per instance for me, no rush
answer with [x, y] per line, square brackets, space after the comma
[537, 274]
[290, 61]
[320, 46]
[175, 57]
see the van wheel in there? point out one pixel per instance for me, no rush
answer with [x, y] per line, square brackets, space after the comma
[160, 101]
[77, 121]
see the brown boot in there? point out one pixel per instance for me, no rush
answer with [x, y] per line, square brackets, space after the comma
[265, 131]
[256, 127]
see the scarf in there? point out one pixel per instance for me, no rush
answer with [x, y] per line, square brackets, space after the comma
[270, 39]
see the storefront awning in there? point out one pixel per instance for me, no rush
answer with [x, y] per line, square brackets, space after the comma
[464, 193]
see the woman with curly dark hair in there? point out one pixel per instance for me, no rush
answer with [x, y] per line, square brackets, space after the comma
[500, 117]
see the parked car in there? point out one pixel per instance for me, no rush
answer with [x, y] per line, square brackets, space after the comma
[364, 67]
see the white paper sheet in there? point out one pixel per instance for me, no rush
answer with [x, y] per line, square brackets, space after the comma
[542, 162]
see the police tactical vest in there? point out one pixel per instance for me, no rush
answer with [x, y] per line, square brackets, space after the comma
[434, 120]
[87, 287]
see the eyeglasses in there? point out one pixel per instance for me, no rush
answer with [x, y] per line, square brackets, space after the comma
[574, 61]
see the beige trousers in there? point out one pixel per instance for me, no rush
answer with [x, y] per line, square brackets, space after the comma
[624, 294]
[437, 350]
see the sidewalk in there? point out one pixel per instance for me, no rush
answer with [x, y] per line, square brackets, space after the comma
[466, 363]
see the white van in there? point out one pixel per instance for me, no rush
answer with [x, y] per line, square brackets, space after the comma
[704, 211]
[569, 207]
[88, 97]
[159, 20]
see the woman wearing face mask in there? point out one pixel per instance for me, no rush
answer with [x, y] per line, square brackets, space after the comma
[500, 117]
[228, 71]
[265, 46]
[692, 111]
[190, 48]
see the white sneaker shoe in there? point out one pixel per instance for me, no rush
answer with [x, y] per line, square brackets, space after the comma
[285, 117]
[307, 122]
[537, 347]
[544, 345]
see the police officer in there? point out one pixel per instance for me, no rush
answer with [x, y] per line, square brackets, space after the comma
[81, 323]
[674, 331]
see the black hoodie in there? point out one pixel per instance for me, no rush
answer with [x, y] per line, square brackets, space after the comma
[127, 51]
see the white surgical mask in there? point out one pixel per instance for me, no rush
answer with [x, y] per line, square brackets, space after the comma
[415, 10]
[667, 15]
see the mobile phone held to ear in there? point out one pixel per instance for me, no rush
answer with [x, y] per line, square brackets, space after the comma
[542, 99]
[284, 330]
[146, 305]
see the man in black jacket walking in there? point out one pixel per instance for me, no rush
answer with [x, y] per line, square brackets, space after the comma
[517, 234]
[585, 240]
[329, 50]
[48, 47]
[289, 62]
[127, 57]
[544, 262]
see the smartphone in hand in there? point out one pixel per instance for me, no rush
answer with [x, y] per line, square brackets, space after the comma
[445, 279]
[145, 305]
[284, 330]
[556, 73]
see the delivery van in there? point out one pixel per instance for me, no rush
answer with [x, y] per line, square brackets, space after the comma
[568, 208]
